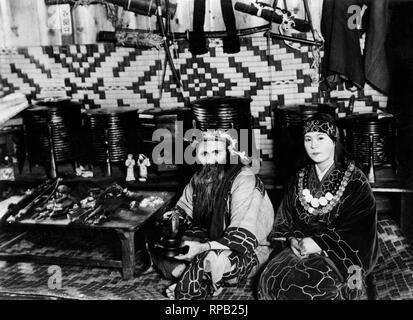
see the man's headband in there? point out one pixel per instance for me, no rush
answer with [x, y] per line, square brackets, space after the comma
[221, 135]
[322, 127]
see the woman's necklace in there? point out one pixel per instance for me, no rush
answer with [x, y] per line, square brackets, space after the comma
[325, 203]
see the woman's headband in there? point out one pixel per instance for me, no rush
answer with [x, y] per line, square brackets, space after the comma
[322, 127]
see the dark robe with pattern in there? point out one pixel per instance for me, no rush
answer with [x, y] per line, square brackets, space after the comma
[347, 235]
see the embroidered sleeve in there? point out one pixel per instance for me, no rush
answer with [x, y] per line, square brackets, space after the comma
[185, 201]
[239, 240]
[284, 226]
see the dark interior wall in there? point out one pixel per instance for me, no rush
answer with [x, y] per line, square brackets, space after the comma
[400, 48]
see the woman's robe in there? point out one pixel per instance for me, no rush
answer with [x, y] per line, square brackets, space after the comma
[347, 236]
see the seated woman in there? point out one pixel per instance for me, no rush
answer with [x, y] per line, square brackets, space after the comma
[326, 225]
[229, 217]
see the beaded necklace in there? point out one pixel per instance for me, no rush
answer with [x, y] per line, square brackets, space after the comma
[324, 204]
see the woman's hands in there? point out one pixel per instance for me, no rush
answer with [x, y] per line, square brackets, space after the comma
[295, 247]
[302, 248]
[195, 248]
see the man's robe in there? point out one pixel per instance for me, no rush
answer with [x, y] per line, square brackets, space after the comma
[250, 220]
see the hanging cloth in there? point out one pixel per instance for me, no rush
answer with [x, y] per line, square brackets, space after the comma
[343, 59]
[376, 66]
[231, 42]
[197, 40]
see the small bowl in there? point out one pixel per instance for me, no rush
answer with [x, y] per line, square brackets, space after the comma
[170, 243]
[171, 252]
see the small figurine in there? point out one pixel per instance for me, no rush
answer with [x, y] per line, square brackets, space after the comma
[82, 172]
[6, 168]
[130, 163]
[143, 163]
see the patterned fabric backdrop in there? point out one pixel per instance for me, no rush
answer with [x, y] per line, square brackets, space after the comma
[103, 75]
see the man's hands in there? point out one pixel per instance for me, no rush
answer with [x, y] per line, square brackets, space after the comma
[174, 217]
[167, 214]
[195, 248]
[302, 248]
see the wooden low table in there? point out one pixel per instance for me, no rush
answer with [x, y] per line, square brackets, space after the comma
[125, 223]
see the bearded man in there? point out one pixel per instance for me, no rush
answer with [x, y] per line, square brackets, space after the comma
[229, 216]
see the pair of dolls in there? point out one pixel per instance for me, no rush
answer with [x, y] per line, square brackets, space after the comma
[143, 163]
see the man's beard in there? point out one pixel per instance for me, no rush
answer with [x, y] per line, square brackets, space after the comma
[206, 191]
[211, 185]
